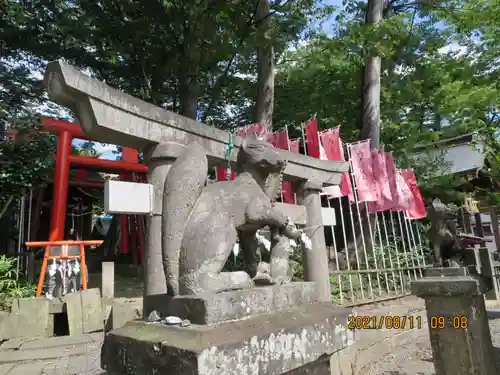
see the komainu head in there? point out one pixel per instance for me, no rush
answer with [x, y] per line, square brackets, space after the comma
[259, 154]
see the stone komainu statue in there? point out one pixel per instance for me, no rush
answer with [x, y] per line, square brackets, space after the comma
[202, 223]
[443, 234]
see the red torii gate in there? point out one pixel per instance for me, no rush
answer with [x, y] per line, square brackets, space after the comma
[66, 132]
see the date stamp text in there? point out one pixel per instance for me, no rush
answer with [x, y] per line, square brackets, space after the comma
[384, 322]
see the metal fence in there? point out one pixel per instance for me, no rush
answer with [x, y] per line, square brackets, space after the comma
[379, 254]
[378, 268]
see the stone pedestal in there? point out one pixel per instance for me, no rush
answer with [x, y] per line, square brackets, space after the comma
[458, 324]
[238, 304]
[315, 261]
[446, 272]
[269, 330]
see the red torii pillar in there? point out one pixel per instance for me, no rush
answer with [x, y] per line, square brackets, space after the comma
[60, 187]
[66, 132]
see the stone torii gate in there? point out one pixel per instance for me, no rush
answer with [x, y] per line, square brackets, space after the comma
[109, 115]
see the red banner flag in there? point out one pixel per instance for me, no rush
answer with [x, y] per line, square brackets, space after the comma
[417, 208]
[385, 199]
[392, 177]
[401, 194]
[312, 139]
[287, 191]
[382, 178]
[221, 174]
[332, 144]
[258, 129]
[288, 195]
[294, 145]
[362, 166]
[333, 149]
[405, 196]
[280, 140]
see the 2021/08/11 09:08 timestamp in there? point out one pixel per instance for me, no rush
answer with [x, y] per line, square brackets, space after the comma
[384, 322]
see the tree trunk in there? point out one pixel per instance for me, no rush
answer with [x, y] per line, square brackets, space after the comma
[265, 59]
[6, 206]
[189, 73]
[370, 127]
[188, 97]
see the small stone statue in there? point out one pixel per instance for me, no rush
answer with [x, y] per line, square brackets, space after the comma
[443, 234]
[278, 270]
[201, 223]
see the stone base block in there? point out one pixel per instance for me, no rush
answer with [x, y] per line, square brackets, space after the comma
[232, 305]
[124, 310]
[29, 318]
[293, 341]
[446, 271]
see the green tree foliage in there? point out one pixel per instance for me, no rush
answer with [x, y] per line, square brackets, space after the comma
[439, 77]
[439, 62]
[25, 163]
[10, 285]
[176, 54]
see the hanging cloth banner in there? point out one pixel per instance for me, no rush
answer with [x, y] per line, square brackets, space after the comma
[393, 191]
[417, 209]
[220, 174]
[312, 139]
[295, 145]
[333, 148]
[362, 167]
[258, 129]
[331, 142]
[404, 193]
[280, 140]
[385, 199]
[397, 191]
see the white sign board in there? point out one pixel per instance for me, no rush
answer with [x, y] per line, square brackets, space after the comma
[121, 197]
[328, 215]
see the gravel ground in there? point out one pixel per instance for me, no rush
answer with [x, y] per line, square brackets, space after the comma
[93, 362]
[414, 357]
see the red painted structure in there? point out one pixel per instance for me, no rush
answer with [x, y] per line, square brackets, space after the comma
[47, 256]
[64, 160]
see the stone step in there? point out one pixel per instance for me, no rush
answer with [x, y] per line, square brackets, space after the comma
[54, 348]
[34, 368]
[40, 354]
[37, 343]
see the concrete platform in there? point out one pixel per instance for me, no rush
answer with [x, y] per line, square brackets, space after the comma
[232, 305]
[293, 341]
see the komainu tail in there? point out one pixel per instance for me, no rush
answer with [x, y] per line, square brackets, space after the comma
[182, 188]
